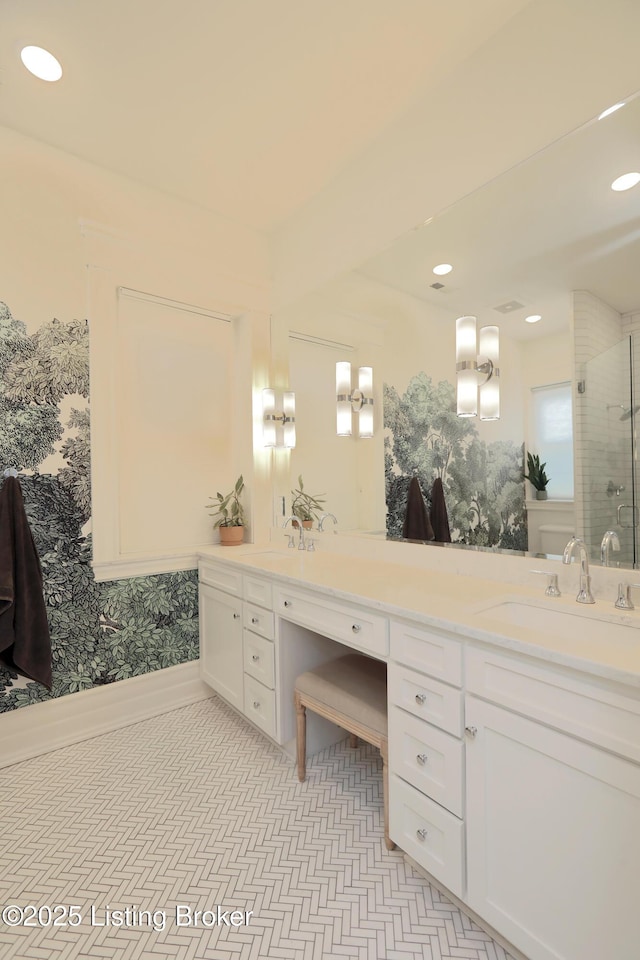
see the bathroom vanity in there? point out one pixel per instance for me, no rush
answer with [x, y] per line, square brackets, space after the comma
[514, 726]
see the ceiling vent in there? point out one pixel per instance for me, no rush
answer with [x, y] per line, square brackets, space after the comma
[437, 286]
[509, 306]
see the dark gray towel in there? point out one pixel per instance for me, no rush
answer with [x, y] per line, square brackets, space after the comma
[439, 517]
[24, 631]
[417, 525]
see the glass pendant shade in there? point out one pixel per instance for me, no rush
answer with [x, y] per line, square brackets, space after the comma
[268, 412]
[289, 424]
[466, 367]
[466, 341]
[490, 391]
[343, 398]
[365, 417]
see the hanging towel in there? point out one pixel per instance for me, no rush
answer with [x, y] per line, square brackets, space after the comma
[417, 525]
[24, 632]
[439, 518]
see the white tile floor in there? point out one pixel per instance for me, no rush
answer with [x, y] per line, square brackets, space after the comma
[195, 810]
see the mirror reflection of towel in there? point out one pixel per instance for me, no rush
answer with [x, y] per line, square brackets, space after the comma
[439, 517]
[24, 632]
[417, 525]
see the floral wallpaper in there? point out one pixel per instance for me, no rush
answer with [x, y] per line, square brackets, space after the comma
[100, 632]
[483, 486]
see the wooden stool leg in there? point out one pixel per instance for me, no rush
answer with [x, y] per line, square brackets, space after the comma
[353, 740]
[301, 736]
[384, 750]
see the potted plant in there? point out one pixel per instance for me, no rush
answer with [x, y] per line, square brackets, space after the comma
[230, 515]
[305, 507]
[536, 476]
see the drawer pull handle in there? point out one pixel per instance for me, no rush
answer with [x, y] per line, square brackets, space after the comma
[422, 834]
[255, 657]
[421, 698]
[356, 628]
[422, 758]
[256, 704]
[287, 603]
[236, 616]
[471, 731]
[254, 620]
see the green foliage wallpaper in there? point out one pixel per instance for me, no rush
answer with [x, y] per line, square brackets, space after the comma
[100, 632]
[482, 482]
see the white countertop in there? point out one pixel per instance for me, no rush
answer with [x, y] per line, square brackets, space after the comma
[457, 604]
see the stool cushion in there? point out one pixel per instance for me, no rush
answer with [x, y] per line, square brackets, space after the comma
[353, 685]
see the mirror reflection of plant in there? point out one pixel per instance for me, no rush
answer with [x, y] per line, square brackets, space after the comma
[228, 508]
[536, 476]
[304, 506]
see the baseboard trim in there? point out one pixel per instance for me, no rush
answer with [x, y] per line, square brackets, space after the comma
[42, 727]
[465, 908]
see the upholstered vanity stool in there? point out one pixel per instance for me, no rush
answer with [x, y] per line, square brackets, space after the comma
[352, 693]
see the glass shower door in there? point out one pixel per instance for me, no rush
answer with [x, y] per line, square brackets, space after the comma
[605, 448]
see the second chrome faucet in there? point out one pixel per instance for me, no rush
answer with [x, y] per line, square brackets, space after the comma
[577, 543]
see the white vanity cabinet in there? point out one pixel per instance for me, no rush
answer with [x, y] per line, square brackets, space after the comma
[426, 752]
[258, 651]
[514, 779]
[553, 819]
[221, 643]
[237, 631]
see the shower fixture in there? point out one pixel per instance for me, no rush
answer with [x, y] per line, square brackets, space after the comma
[626, 411]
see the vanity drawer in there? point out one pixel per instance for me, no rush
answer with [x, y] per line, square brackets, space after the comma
[259, 620]
[260, 705]
[604, 717]
[259, 591]
[427, 651]
[353, 626]
[259, 658]
[426, 698]
[428, 758]
[426, 832]
[222, 577]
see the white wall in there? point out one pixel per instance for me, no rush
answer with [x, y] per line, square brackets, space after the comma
[72, 234]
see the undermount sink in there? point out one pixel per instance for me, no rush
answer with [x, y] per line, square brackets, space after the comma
[563, 623]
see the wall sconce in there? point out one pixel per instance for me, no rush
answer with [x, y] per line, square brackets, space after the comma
[472, 363]
[278, 423]
[358, 401]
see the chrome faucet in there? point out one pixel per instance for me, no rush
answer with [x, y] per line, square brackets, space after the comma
[610, 541]
[294, 519]
[584, 593]
[326, 516]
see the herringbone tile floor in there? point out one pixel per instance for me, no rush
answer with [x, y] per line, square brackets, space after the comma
[195, 810]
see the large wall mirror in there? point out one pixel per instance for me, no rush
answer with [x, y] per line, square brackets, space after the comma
[548, 239]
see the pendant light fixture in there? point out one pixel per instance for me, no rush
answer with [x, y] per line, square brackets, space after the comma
[359, 400]
[474, 360]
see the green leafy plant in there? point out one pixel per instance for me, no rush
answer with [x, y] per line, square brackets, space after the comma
[536, 473]
[304, 506]
[228, 509]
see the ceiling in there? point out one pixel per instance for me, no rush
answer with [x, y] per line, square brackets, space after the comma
[244, 107]
[549, 226]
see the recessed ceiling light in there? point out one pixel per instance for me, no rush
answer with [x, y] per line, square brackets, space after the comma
[610, 110]
[442, 269]
[533, 318]
[41, 63]
[626, 181]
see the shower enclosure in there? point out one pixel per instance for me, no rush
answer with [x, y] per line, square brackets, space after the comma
[606, 451]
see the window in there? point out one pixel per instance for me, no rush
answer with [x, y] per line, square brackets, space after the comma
[552, 436]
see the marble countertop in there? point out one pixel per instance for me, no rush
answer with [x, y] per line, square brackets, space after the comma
[595, 639]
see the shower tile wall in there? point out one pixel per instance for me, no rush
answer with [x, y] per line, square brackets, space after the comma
[602, 449]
